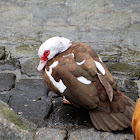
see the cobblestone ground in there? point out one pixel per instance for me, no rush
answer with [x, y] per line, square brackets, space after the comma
[111, 27]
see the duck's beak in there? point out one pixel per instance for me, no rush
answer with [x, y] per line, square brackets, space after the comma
[41, 65]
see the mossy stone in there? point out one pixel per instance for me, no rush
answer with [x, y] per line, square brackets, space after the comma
[110, 59]
[2, 52]
[130, 56]
[29, 67]
[125, 69]
[25, 51]
[10, 115]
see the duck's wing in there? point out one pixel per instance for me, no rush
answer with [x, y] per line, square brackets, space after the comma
[86, 82]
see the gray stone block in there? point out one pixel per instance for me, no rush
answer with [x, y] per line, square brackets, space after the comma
[2, 52]
[85, 134]
[9, 65]
[5, 97]
[131, 39]
[68, 117]
[7, 81]
[131, 71]
[101, 37]
[50, 134]
[123, 5]
[92, 134]
[14, 127]
[130, 56]
[25, 51]
[30, 100]
[29, 67]
[119, 136]
[110, 21]
[48, 15]
[130, 86]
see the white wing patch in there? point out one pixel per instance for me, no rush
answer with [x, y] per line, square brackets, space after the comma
[100, 67]
[81, 63]
[84, 80]
[73, 55]
[59, 85]
[100, 59]
[68, 55]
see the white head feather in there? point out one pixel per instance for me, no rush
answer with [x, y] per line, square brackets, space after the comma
[55, 45]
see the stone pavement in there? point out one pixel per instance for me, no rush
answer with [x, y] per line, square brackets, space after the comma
[111, 27]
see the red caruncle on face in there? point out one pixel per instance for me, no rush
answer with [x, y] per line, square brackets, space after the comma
[45, 55]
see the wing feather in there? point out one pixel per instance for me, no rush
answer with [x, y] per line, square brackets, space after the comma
[107, 86]
[100, 95]
[85, 94]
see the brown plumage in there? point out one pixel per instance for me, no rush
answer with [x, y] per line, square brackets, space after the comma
[109, 108]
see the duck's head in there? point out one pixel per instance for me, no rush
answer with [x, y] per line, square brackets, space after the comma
[50, 48]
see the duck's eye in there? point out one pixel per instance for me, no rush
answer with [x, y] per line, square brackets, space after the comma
[47, 52]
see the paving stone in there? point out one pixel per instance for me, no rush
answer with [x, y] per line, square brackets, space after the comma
[85, 134]
[50, 134]
[7, 81]
[56, 100]
[9, 65]
[13, 127]
[92, 134]
[119, 137]
[52, 94]
[5, 97]
[2, 52]
[30, 100]
[68, 117]
[29, 67]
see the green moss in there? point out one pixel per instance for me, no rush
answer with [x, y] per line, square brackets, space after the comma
[110, 59]
[127, 69]
[135, 28]
[132, 55]
[10, 115]
[26, 50]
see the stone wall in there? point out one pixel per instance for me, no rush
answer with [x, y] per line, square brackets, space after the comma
[111, 27]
